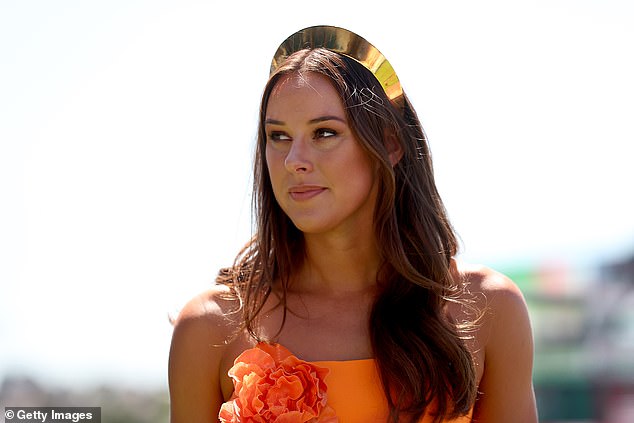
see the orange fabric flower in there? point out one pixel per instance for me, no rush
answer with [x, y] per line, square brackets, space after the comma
[272, 385]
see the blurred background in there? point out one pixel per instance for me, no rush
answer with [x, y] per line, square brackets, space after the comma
[126, 136]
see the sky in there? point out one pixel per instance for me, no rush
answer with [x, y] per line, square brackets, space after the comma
[127, 130]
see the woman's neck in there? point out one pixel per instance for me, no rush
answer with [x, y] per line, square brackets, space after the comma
[338, 265]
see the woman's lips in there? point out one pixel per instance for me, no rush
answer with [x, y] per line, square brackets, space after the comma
[305, 192]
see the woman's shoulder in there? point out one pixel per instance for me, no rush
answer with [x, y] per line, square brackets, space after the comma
[492, 307]
[505, 346]
[201, 341]
[488, 287]
[212, 315]
[495, 297]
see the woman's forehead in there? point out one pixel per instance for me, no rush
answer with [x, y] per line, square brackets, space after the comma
[307, 90]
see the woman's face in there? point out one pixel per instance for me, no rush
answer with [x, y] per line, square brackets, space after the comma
[322, 178]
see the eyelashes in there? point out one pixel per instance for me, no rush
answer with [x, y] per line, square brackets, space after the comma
[325, 133]
[278, 136]
[319, 133]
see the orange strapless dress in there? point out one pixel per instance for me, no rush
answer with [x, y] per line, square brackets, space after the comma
[356, 394]
[270, 381]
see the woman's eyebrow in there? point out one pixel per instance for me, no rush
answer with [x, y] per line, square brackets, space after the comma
[326, 118]
[270, 121]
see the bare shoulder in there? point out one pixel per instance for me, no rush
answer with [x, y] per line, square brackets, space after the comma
[505, 336]
[493, 293]
[503, 313]
[212, 311]
[202, 334]
[485, 281]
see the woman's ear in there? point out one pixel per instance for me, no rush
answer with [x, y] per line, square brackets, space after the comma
[394, 148]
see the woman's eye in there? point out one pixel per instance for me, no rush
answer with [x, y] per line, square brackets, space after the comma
[325, 133]
[278, 136]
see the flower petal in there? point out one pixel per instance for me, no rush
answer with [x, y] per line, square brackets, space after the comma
[272, 385]
[276, 351]
[227, 413]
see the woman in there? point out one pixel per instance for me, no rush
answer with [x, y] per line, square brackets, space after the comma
[347, 305]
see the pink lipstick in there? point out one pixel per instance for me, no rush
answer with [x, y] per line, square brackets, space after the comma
[305, 192]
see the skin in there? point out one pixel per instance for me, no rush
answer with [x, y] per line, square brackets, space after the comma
[326, 184]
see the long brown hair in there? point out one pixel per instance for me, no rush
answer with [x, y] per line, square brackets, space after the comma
[422, 360]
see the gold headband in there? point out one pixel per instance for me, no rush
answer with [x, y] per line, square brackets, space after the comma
[346, 43]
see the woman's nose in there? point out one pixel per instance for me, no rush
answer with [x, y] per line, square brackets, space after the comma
[298, 158]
